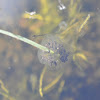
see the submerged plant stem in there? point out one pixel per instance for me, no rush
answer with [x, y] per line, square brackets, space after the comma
[26, 41]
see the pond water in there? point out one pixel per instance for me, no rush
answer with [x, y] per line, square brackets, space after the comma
[70, 28]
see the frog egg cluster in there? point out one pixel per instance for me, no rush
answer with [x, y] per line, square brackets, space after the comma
[53, 60]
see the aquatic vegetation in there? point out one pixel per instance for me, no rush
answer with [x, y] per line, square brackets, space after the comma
[60, 89]
[4, 91]
[3, 87]
[87, 18]
[52, 49]
[62, 25]
[44, 23]
[47, 88]
[41, 79]
[75, 23]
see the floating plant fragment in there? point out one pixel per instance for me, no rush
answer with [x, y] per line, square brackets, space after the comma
[60, 55]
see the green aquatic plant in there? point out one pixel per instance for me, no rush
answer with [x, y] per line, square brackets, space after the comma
[4, 91]
[43, 90]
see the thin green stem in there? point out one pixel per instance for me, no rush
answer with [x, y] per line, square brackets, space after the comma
[26, 41]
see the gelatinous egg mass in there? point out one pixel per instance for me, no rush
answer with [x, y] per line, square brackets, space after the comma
[60, 55]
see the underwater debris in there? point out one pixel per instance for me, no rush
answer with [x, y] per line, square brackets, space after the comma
[59, 56]
[34, 36]
[61, 5]
[62, 25]
[33, 81]
[30, 13]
